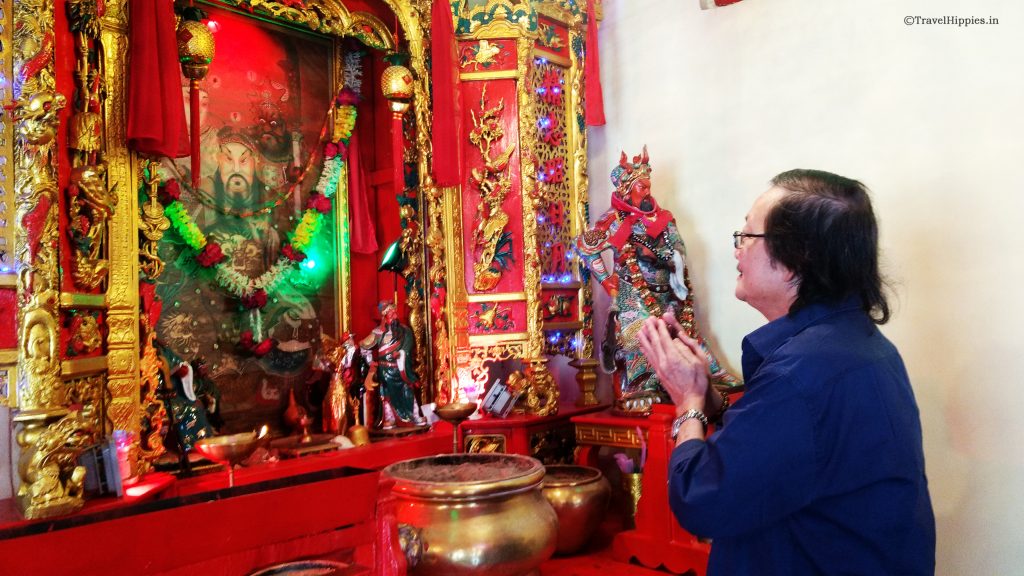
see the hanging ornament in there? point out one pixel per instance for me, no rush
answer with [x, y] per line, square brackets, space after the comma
[195, 52]
[397, 85]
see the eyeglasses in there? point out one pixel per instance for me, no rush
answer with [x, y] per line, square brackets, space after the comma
[737, 238]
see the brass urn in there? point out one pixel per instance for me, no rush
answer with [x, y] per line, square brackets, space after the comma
[579, 496]
[474, 514]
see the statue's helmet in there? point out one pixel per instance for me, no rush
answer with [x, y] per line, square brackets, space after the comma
[626, 173]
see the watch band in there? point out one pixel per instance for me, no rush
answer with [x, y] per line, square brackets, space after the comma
[691, 414]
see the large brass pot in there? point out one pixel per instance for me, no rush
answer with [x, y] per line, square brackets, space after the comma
[475, 513]
[579, 495]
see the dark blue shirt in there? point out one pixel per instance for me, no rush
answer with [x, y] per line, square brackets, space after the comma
[819, 467]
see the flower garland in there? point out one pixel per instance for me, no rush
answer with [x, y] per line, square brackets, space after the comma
[253, 292]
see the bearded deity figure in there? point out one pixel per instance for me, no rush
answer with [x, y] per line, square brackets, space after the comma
[648, 277]
[390, 350]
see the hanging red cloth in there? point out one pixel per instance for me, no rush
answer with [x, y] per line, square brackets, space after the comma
[398, 152]
[654, 220]
[363, 233]
[444, 73]
[725, 2]
[156, 114]
[592, 72]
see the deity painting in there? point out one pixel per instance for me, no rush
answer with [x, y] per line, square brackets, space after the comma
[262, 108]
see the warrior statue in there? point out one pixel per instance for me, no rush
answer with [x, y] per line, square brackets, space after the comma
[390, 349]
[649, 277]
[192, 399]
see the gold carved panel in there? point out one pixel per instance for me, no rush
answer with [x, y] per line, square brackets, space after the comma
[7, 204]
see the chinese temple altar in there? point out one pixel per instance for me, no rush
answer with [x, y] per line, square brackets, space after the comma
[325, 218]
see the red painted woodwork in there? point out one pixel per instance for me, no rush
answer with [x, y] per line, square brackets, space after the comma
[494, 56]
[8, 315]
[519, 429]
[219, 533]
[277, 512]
[373, 125]
[658, 539]
[373, 456]
[559, 305]
[509, 317]
[497, 90]
[554, 39]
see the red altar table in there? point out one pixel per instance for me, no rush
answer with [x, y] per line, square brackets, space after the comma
[657, 540]
[326, 505]
[543, 437]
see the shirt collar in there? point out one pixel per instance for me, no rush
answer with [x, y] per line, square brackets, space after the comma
[760, 343]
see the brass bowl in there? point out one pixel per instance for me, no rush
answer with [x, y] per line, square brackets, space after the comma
[455, 412]
[579, 495]
[298, 445]
[474, 514]
[233, 448]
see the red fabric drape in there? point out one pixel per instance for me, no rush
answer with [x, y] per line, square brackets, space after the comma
[398, 154]
[156, 114]
[447, 97]
[592, 72]
[654, 220]
[725, 2]
[363, 232]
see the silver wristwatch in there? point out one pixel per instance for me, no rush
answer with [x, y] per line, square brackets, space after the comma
[692, 413]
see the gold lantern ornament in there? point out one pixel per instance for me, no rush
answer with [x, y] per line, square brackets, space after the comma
[195, 48]
[195, 52]
[397, 84]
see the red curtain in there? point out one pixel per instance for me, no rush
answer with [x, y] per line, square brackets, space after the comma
[156, 115]
[592, 72]
[363, 232]
[445, 79]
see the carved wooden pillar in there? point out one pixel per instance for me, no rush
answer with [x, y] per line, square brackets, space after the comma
[514, 287]
[48, 435]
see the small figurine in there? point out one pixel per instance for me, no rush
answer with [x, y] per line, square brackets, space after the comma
[390, 348]
[649, 278]
[296, 417]
[192, 398]
[343, 364]
[363, 399]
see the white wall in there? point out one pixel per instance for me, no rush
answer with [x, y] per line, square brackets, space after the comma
[929, 117]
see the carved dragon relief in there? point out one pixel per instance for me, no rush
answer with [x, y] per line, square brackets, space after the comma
[493, 182]
[39, 385]
[48, 437]
[52, 482]
[90, 203]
